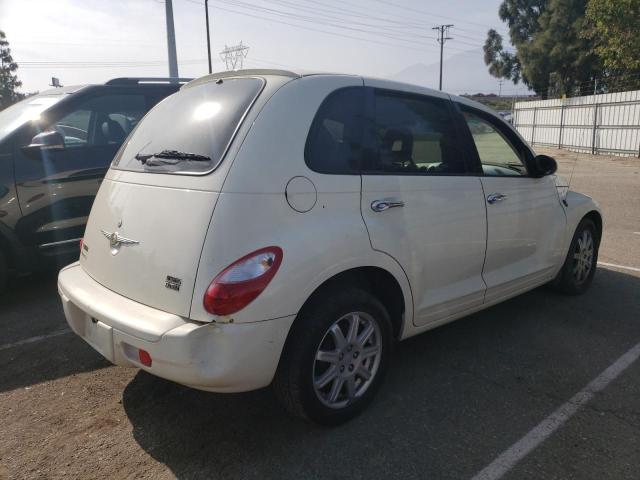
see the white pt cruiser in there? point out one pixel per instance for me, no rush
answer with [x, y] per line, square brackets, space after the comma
[265, 227]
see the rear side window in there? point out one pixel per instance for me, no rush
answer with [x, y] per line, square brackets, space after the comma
[413, 135]
[189, 132]
[334, 141]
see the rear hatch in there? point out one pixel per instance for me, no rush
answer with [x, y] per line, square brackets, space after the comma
[149, 220]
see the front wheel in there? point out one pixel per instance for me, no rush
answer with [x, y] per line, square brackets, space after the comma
[580, 265]
[335, 357]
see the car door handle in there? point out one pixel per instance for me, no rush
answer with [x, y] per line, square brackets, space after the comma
[495, 197]
[386, 204]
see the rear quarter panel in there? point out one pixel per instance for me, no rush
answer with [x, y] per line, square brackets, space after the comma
[252, 211]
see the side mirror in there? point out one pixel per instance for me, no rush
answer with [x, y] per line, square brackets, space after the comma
[544, 165]
[50, 140]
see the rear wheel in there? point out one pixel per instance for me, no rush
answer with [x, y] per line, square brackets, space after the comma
[335, 357]
[580, 265]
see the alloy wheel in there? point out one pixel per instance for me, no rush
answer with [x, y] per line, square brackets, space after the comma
[583, 256]
[347, 359]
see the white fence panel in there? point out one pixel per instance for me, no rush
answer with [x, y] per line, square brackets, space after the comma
[607, 124]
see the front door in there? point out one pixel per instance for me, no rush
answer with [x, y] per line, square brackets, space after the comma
[56, 187]
[421, 203]
[525, 221]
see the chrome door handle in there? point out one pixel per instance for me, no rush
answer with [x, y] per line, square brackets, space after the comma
[382, 205]
[495, 197]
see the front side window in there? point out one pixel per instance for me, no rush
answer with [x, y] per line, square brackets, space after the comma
[189, 132]
[103, 120]
[413, 135]
[334, 141]
[26, 110]
[497, 155]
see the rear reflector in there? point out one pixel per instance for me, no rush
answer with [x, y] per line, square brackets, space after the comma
[145, 358]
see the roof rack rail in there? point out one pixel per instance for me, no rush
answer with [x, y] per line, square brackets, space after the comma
[139, 80]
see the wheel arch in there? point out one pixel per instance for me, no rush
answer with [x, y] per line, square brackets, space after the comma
[596, 217]
[375, 280]
[13, 250]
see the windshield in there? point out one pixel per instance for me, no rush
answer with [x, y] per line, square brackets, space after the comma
[26, 110]
[189, 132]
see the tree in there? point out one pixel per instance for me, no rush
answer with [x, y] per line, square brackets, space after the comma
[9, 82]
[612, 26]
[552, 56]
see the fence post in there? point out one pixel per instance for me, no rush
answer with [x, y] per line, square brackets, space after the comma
[533, 128]
[595, 128]
[561, 125]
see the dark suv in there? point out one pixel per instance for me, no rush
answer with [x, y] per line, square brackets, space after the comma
[55, 147]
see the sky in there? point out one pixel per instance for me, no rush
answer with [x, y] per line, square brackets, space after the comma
[91, 41]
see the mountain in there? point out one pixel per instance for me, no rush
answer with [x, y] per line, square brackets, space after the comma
[462, 73]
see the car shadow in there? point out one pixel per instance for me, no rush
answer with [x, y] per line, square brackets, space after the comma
[36, 344]
[453, 399]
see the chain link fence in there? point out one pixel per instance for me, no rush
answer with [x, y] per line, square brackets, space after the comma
[598, 124]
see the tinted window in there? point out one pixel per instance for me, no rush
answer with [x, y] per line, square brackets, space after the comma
[413, 135]
[334, 141]
[199, 121]
[103, 120]
[497, 155]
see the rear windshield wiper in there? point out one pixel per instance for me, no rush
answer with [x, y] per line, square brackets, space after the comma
[170, 157]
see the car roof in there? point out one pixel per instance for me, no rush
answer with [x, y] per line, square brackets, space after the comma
[60, 90]
[145, 82]
[391, 84]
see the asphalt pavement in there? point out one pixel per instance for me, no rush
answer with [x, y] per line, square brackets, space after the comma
[458, 401]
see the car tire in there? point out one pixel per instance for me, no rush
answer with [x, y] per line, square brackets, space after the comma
[580, 264]
[315, 353]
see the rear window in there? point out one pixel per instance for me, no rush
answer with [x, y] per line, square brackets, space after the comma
[189, 132]
[334, 141]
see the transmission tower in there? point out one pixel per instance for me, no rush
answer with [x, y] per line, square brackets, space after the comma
[234, 56]
[443, 36]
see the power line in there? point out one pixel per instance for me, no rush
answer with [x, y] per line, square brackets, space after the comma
[373, 30]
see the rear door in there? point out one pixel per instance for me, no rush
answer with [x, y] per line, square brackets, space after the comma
[422, 203]
[525, 219]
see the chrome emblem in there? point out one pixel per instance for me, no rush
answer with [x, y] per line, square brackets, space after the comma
[116, 240]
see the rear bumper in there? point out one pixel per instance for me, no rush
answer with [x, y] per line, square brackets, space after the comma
[215, 357]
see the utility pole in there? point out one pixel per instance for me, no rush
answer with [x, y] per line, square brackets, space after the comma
[443, 36]
[206, 12]
[171, 42]
[500, 87]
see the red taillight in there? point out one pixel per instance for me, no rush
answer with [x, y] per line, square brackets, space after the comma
[241, 282]
[81, 244]
[145, 358]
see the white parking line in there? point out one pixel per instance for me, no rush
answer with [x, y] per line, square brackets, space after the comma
[508, 459]
[34, 339]
[624, 267]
